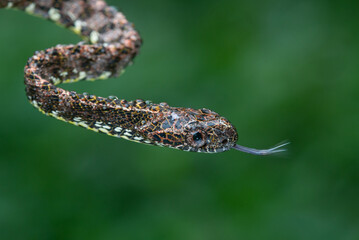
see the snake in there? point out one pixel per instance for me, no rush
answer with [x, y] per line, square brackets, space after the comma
[109, 44]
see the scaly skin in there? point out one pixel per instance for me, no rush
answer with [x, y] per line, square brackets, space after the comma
[110, 44]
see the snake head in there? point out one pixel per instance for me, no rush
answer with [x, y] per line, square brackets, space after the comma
[192, 130]
[210, 135]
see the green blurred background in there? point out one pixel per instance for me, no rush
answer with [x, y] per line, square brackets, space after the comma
[276, 69]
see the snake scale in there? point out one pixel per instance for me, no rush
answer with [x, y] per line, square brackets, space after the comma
[110, 44]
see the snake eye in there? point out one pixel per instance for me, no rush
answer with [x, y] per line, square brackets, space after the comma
[197, 139]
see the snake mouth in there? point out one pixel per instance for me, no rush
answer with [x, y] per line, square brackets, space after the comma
[206, 149]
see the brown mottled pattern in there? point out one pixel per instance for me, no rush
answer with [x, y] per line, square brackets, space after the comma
[110, 44]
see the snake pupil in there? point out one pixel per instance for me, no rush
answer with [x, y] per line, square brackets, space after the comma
[197, 137]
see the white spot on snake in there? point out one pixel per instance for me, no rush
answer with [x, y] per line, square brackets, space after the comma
[147, 141]
[77, 119]
[82, 75]
[106, 127]
[128, 134]
[71, 15]
[55, 80]
[174, 116]
[64, 74]
[78, 26]
[94, 36]
[187, 150]
[55, 113]
[75, 70]
[9, 5]
[98, 124]
[118, 129]
[35, 103]
[125, 137]
[31, 8]
[138, 138]
[54, 14]
[83, 124]
[105, 75]
[103, 130]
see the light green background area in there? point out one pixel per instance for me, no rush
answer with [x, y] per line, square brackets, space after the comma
[276, 69]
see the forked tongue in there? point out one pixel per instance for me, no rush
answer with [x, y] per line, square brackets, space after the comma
[276, 149]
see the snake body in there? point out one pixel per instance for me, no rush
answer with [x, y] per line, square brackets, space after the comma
[110, 44]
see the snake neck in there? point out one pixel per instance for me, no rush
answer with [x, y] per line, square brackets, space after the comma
[114, 43]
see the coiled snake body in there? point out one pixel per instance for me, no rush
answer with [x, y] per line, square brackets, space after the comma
[110, 44]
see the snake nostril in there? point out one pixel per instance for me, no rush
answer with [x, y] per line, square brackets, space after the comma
[225, 141]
